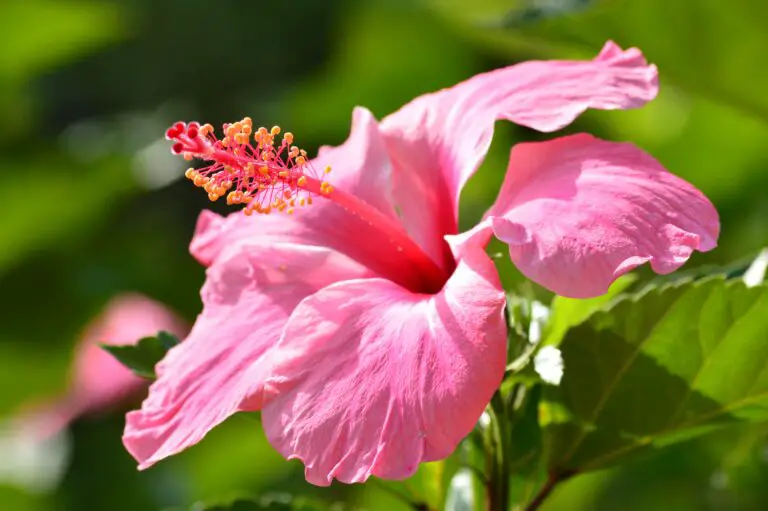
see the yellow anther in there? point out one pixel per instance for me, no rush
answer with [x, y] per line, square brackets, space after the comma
[188, 157]
[198, 180]
[300, 160]
[227, 184]
[302, 201]
[288, 137]
[275, 130]
[264, 170]
[292, 203]
[327, 169]
[303, 153]
[190, 173]
[231, 199]
[225, 142]
[282, 206]
[290, 211]
[214, 197]
[220, 191]
[248, 211]
[282, 174]
[205, 130]
[247, 121]
[328, 189]
[268, 210]
[207, 188]
[309, 200]
[247, 131]
[302, 181]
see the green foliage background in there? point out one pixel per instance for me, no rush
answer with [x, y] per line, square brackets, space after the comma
[92, 204]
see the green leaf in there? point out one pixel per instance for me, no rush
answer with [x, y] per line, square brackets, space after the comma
[656, 368]
[569, 312]
[142, 357]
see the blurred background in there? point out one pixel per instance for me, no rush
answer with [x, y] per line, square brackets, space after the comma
[93, 205]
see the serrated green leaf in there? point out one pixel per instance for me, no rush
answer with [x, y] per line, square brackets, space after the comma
[569, 312]
[657, 368]
[142, 357]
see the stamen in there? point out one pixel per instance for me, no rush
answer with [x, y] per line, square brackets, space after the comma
[264, 176]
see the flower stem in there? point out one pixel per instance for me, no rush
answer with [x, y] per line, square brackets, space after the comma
[540, 497]
[497, 455]
[552, 481]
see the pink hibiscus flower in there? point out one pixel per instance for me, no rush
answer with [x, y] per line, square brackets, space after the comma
[99, 382]
[368, 332]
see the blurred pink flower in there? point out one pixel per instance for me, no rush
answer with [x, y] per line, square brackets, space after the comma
[369, 333]
[98, 382]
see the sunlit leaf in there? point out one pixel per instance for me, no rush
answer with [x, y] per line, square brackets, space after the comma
[658, 368]
[568, 312]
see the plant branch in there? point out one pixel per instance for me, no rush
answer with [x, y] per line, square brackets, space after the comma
[552, 481]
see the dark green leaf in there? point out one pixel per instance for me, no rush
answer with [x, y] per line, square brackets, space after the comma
[657, 368]
[142, 357]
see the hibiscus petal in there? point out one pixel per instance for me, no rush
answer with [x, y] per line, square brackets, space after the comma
[438, 140]
[250, 292]
[578, 212]
[374, 379]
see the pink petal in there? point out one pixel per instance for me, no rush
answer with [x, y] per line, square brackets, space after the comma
[578, 212]
[438, 140]
[360, 167]
[374, 379]
[249, 293]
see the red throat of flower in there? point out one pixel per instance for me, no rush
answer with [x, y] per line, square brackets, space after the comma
[250, 167]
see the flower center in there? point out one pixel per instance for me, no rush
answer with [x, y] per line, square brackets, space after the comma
[250, 167]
